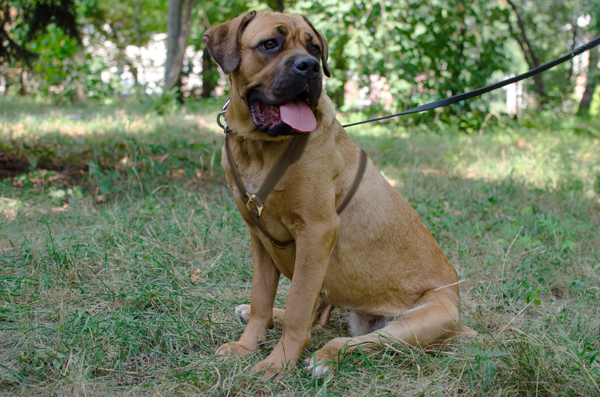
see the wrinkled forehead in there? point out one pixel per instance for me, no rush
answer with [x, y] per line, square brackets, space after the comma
[271, 25]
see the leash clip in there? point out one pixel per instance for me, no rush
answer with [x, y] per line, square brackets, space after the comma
[251, 198]
[222, 115]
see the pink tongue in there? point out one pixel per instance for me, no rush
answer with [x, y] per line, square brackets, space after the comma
[297, 114]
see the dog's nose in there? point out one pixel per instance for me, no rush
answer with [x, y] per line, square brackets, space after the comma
[306, 65]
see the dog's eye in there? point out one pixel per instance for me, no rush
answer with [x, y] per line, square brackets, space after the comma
[315, 50]
[269, 44]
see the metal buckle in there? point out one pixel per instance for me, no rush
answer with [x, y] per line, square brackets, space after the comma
[258, 209]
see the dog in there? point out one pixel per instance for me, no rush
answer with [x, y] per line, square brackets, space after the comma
[375, 259]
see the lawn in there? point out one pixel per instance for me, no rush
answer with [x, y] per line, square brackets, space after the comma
[122, 255]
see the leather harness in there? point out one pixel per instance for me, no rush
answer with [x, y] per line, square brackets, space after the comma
[255, 203]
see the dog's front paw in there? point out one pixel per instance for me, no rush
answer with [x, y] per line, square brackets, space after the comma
[267, 369]
[242, 312]
[232, 349]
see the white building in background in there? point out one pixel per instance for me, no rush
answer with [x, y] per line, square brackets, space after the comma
[514, 98]
[149, 60]
[150, 63]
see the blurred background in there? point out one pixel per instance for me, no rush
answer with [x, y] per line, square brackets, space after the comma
[386, 55]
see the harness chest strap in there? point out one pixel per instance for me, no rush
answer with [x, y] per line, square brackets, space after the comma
[255, 202]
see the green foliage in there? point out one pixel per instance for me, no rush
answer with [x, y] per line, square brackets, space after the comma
[166, 103]
[405, 53]
[552, 28]
[57, 62]
[425, 50]
[62, 66]
[23, 20]
[126, 22]
[485, 361]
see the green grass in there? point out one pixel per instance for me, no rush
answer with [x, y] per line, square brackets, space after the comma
[104, 218]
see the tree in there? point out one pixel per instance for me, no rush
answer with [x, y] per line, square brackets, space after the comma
[276, 5]
[210, 75]
[545, 30]
[591, 83]
[529, 52]
[28, 18]
[591, 10]
[422, 50]
[126, 23]
[178, 31]
[212, 13]
[22, 21]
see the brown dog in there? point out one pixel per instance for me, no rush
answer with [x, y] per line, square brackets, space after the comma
[375, 259]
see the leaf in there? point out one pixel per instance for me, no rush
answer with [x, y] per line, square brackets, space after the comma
[533, 294]
[104, 187]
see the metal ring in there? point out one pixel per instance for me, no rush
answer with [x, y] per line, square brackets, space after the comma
[222, 114]
[226, 104]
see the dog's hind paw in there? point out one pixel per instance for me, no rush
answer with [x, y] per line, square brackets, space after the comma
[316, 370]
[242, 312]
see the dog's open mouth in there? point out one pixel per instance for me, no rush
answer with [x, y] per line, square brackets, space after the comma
[296, 113]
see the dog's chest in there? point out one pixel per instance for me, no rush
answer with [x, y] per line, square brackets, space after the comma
[250, 188]
[253, 168]
[275, 212]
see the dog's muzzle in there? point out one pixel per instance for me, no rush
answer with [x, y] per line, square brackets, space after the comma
[296, 92]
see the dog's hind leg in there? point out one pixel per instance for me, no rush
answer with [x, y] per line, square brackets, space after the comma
[322, 313]
[434, 319]
[242, 312]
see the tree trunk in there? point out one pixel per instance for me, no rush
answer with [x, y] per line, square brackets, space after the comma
[80, 96]
[3, 81]
[6, 81]
[180, 19]
[280, 5]
[209, 74]
[23, 91]
[138, 35]
[276, 5]
[528, 53]
[173, 28]
[590, 86]
[79, 79]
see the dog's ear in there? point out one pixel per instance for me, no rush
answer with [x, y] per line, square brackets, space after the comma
[223, 41]
[325, 48]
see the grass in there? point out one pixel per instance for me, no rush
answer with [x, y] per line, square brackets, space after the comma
[122, 255]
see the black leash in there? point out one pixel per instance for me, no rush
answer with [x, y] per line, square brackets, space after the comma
[480, 91]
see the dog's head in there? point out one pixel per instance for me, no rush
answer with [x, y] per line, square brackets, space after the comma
[273, 62]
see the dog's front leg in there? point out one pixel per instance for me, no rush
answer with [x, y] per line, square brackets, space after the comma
[265, 278]
[313, 250]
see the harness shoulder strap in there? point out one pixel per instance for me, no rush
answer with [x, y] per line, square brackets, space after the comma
[255, 202]
[359, 175]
